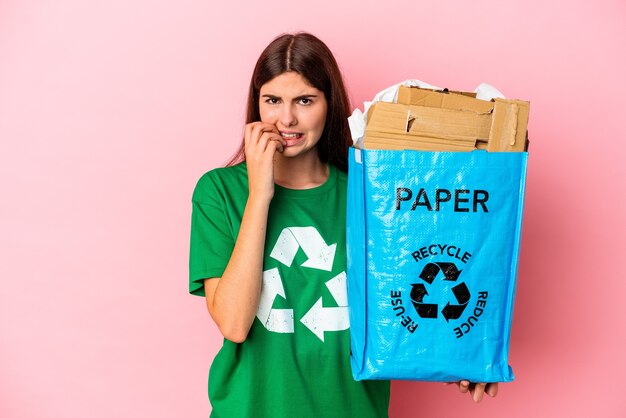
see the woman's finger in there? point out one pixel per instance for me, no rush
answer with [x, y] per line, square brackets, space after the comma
[492, 389]
[261, 127]
[464, 386]
[269, 127]
[246, 133]
[478, 391]
[271, 136]
[255, 135]
[279, 145]
[273, 145]
[258, 130]
[254, 145]
[252, 129]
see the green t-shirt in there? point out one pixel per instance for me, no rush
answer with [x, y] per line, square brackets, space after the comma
[295, 361]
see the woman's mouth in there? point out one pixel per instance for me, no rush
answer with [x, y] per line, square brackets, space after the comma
[292, 138]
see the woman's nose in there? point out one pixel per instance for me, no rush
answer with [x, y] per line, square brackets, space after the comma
[287, 116]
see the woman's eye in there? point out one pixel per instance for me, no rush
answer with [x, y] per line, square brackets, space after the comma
[306, 101]
[272, 100]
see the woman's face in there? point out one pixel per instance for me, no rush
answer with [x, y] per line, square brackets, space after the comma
[297, 109]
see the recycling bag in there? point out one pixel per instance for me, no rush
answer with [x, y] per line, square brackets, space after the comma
[433, 243]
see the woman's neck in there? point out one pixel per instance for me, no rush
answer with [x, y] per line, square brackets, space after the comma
[303, 172]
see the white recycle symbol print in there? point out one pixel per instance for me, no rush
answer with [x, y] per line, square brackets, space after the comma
[320, 257]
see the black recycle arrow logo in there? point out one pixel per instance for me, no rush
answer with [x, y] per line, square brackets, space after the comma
[462, 295]
[431, 270]
[460, 291]
[425, 310]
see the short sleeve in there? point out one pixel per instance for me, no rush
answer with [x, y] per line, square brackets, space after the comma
[212, 240]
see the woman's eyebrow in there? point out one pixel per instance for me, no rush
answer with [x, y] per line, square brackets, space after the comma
[302, 96]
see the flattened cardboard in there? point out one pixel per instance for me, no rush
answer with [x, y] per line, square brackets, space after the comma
[422, 127]
[508, 129]
[424, 97]
[447, 121]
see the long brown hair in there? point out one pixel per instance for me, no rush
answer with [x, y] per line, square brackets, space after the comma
[308, 56]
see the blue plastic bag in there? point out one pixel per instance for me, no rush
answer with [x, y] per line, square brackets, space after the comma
[433, 243]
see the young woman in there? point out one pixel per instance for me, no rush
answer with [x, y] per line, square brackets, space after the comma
[268, 248]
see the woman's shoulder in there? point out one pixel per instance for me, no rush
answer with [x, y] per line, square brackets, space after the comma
[220, 181]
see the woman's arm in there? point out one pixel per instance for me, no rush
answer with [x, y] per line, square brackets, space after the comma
[233, 299]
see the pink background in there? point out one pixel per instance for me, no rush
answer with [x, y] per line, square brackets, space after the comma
[110, 111]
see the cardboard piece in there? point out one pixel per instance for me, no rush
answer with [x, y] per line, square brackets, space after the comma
[432, 120]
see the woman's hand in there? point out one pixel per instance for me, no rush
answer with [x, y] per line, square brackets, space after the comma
[477, 390]
[261, 141]
[233, 299]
